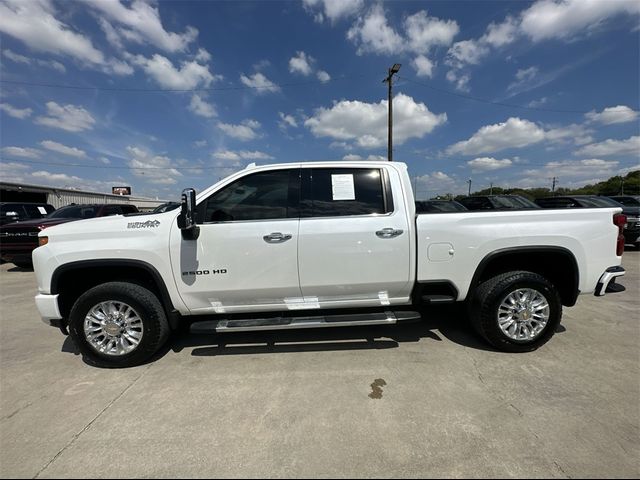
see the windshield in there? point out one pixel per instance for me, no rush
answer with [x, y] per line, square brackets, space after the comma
[514, 202]
[598, 202]
[628, 201]
[75, 211]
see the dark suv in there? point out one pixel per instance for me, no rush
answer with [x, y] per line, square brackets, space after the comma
[632, 212]
[17, 240]
[17, 211]
[498, 202]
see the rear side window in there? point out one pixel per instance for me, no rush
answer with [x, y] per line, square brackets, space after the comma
[336, 192]
[260, 196]
[476, 203]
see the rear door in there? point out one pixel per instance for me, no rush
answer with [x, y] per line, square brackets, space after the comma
[354, 245]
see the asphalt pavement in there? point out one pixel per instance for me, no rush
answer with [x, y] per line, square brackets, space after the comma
[420, 400]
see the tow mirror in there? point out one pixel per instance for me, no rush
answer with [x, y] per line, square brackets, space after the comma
[187, 218]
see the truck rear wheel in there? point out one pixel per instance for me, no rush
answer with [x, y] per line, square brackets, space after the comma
[516, 311]
[118, 324]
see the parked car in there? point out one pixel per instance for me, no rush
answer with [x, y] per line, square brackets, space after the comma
[631, 208]
[166, 207]
[310, 245]
[497, 202]
[17, 211]
[17, 240]
[632, 212]
[435, 206]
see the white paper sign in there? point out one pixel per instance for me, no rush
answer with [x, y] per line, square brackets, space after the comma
[342, 186]
[42, 210]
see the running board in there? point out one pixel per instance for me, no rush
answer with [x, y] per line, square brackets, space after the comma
[284, 323]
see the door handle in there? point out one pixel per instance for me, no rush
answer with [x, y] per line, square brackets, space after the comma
[389, 232]
[277, 237]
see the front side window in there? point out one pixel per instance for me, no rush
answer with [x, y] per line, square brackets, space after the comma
[334, 192]
[259, 196]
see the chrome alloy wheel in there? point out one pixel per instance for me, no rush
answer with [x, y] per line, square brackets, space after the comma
[113, 328]
[523, 314]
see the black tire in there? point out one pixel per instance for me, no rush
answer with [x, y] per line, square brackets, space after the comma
[483, 309]
[146, 305]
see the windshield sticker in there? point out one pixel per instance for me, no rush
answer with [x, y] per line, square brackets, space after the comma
[147, 224]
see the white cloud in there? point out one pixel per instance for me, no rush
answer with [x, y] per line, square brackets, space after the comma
[461, 81]
[610, 115]
[65, 150]
[423, 66]
[578, 134]
[190, 75]
[630, 146]
[424, 32]
[488, 163]
[333, 9]
[547, 19]
[287, 121]
[365, 124]
[372, 33]
[323, 76]
[201, 107]
[499, 34]
[571, 172]
[155, 169]
[235, 156]
[68, 117]
[60, 178]
[261, 83]
[301, 64]
[246, 130]
[200, 143]
[21, 152]
[14, 112]
[514, 133]
[140, 22]
[15, 57]
[33, 23]
[203, 56]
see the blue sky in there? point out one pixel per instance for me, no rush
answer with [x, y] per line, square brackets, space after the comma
[167, 95]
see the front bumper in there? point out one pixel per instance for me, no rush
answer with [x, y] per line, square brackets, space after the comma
[48, 307]
[607, 282]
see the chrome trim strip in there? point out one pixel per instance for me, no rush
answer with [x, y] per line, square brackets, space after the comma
[606, 278]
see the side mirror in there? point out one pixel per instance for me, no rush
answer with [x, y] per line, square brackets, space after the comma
[187, 218]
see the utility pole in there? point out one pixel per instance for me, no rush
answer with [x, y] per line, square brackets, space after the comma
[389, 80]
[553, 186]
[469, 182]
[491, 189]
[621, 185]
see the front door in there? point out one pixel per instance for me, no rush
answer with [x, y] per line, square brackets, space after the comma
[246, 254]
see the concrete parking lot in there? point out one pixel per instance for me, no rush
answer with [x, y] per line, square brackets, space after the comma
[420, 400]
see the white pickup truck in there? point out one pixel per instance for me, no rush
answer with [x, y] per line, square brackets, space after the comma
[324, 244]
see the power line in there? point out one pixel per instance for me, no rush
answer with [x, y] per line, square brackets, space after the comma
[178, 90]
[491, 102]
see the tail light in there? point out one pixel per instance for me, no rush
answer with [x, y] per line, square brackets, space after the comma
[620, 221]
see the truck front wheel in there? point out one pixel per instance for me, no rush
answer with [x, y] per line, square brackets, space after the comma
[118, 324]
[516, 311]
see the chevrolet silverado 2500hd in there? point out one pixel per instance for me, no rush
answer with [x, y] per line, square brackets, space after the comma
[316, 245]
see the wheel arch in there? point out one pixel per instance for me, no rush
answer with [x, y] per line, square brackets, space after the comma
[72, 279]
[557, 264]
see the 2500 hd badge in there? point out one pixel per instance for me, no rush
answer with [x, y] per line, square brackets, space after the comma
[205, 272]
